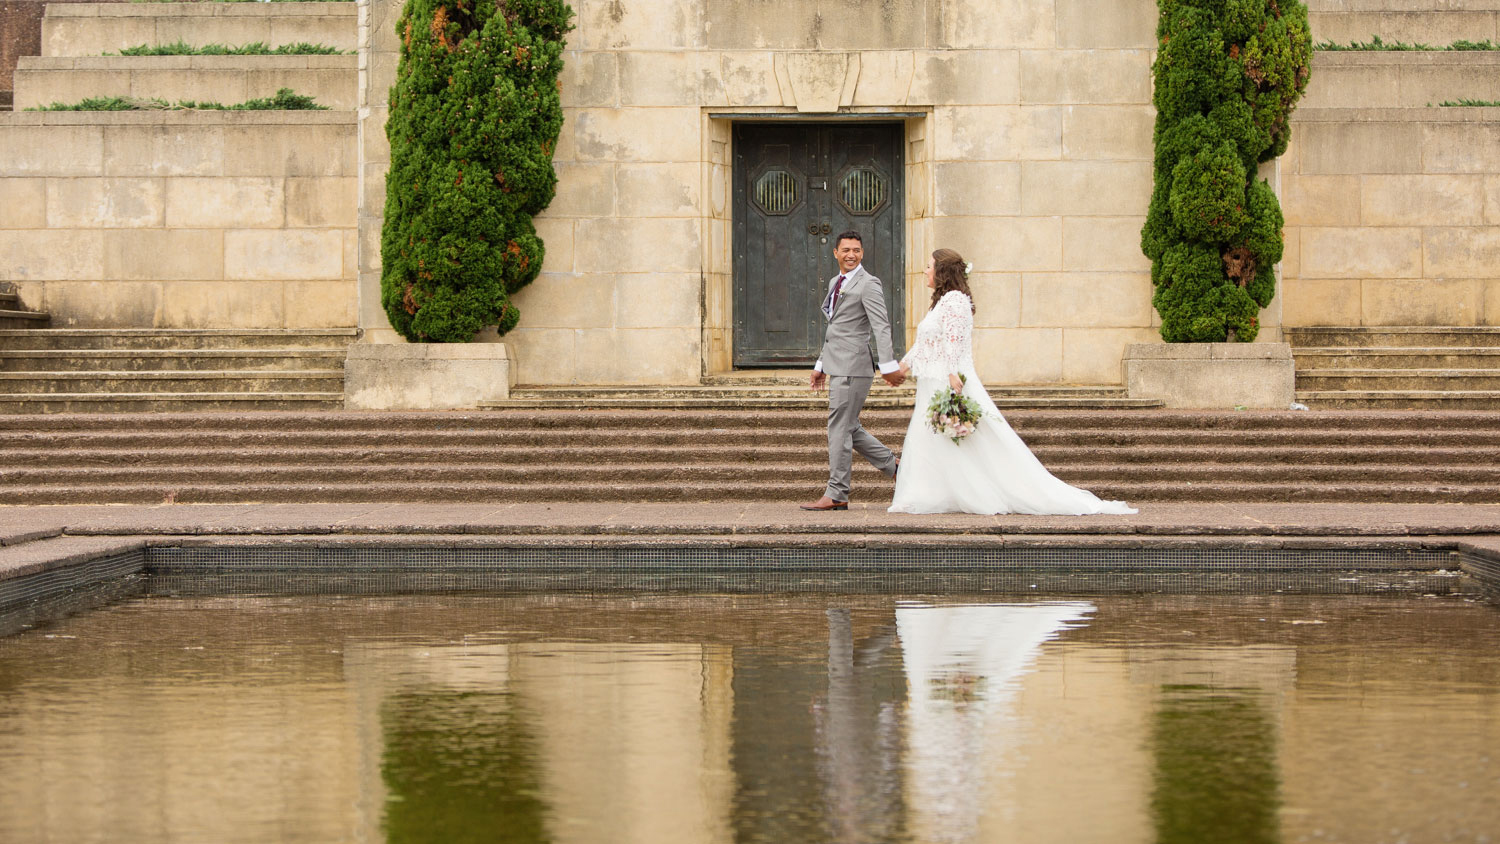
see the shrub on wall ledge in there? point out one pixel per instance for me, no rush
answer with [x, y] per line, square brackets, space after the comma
[1227, 74]
[474, 118]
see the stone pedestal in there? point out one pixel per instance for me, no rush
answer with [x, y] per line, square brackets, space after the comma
[426, 376]
[1212, 375]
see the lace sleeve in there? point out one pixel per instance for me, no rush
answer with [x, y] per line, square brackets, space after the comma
[957, 325]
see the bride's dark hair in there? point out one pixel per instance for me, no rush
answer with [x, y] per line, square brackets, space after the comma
[949, 272]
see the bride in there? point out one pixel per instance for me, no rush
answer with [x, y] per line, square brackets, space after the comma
[991, 470]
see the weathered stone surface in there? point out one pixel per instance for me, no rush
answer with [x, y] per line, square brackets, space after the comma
[997, 133]
[42, 255]
[966, 77]
[1103, 244]
[1018, 355]
[426, 376]
[104, 203]
[25, 205]
[657, 300]
[291, 254]
[1119, 24]
[1427, 301]
[1091, 77]
[659, 190]
[163, 254]
[813, 24]
[977, 188]
[1067, 300]
[1308, 200]
[1211, 375]
[1085, 188]
[1004, 244]
[1453, 252]
[1361, 252]
[254, 202]
[1332, 301]
[1094, 355]
[1120, 132]
[566, 300]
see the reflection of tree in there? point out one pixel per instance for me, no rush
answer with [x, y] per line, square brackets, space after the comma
[460, 767]
[1216, 778]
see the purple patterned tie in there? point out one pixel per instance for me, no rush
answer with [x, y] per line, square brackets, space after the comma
[837, 286]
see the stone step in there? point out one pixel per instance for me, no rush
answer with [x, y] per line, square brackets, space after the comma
[1424, 337]
[18, 320]
[810, 435]
[808, 403]
[1437, 23]
[726, 473]
[1385, 79]
[1384, 380]
[1175, 425]
[92, 29]
[790, 491]
[115, 403]
[805, 450]
[169, 360]
[178, 338]
[41, 81]
[1401, 399]
[223, 381]
[1398, 358]
[797, 380]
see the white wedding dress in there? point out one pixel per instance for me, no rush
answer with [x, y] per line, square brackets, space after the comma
[991, 470]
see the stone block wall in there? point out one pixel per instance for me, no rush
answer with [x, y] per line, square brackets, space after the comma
[1028, 131]
[180, 219]
[1392, 217]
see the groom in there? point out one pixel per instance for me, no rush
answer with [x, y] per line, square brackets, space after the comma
[854, 308]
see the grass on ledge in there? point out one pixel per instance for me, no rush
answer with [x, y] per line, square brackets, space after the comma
[256, 48]
[284, 100]
[1378, 45]
[1468, 104]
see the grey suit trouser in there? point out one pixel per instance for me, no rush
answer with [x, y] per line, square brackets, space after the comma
[846, 398]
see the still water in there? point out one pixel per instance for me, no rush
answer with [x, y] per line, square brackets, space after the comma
[703, 719]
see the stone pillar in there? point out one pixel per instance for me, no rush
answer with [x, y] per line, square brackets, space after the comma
[1212, 375]
[383, 371]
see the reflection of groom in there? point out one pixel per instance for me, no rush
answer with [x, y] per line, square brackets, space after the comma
[855, 308]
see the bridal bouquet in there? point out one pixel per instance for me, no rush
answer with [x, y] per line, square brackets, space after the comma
[953, 414]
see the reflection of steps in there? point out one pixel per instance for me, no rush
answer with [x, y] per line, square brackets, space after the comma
[91, 370]
[223, 79]
[1398, 367]
[687, 455]
[789, 390]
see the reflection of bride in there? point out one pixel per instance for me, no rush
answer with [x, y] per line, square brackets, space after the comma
[963, 665]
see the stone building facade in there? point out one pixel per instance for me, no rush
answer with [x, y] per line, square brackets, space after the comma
[1022, 138]
[711, 147]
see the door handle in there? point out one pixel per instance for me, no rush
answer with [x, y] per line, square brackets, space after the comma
[812, 229]
[827, 228]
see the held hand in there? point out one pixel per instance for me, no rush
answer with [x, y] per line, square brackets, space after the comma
[818, 379]
[894, 378]
[956, 382]
[905, 369]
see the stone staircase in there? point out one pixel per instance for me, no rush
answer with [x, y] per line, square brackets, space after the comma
[1396, 367]
[788, 390]
[1144, 456]
[60, 370]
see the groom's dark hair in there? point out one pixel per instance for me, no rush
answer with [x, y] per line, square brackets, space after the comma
[849, 235]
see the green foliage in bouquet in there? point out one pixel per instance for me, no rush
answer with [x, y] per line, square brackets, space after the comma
[1228, 74]
[474, 119]
[953, 414]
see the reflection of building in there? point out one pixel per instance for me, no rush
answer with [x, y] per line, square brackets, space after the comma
[697, 720]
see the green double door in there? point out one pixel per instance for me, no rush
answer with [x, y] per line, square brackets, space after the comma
[796, 187]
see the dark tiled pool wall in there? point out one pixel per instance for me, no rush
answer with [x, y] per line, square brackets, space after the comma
[69, 588]
[306, 569]
[1483, 565]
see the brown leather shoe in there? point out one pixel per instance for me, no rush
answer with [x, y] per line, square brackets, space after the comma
[826, 503]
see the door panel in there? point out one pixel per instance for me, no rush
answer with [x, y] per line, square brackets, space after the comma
[789, 204]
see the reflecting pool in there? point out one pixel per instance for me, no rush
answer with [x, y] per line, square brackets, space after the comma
[702, 719]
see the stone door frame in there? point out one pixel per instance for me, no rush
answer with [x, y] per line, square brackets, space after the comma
[717, 346]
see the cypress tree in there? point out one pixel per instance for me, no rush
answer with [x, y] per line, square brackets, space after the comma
[474, 119]
[1228, 74]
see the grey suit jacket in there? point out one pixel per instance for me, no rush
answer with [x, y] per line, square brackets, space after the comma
[861, 311]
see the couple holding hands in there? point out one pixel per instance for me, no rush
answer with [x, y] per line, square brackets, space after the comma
[988, 471]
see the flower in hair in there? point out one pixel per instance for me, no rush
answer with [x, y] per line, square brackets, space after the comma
[968, 268]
